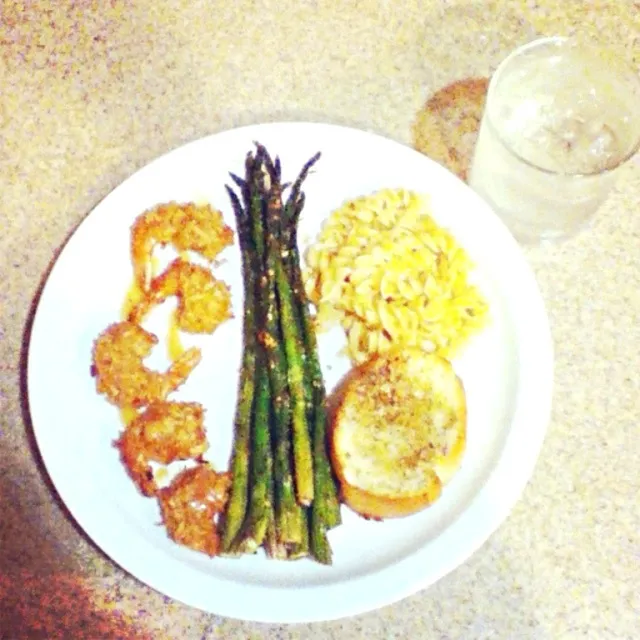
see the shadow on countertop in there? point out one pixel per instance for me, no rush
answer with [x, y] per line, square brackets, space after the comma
[42, 590]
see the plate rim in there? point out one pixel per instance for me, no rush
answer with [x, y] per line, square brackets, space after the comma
[339, 607]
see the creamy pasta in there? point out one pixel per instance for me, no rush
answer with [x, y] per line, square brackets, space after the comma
[384, 270]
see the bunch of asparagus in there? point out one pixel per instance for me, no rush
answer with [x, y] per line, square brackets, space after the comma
[284, 495]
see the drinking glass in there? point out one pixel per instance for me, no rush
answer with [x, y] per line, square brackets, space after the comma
[560, 120]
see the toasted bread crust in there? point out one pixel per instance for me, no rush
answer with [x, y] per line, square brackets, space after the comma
[411, 464]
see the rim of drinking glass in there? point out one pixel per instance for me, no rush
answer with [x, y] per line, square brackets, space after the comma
[492, 87]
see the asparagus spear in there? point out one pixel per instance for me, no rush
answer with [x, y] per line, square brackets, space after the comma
[301, 549]
[303, 463]
[325, 481]
[237, 505]
[260, 508]
[289, 516]
[293, 345]
[325, 511]
[272, 545]
[260, 187]
[260, 514]
[286, 362]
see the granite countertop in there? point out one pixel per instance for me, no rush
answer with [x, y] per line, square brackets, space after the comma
[92, 90]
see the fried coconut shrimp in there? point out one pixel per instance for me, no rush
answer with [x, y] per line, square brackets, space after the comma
[120, 373]
[190, 504]
[203, 301]
[187, 227]
[164, 432]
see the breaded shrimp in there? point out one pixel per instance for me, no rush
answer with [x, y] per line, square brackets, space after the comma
[164, 432]
[120, 373]
[185, 226]
[190, 504]
[203, 301]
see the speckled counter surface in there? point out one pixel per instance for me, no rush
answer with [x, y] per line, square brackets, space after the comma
[92, 90]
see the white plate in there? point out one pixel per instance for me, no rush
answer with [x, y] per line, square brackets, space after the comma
[507, 372]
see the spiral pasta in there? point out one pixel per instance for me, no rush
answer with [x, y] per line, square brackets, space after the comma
[384, 270]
